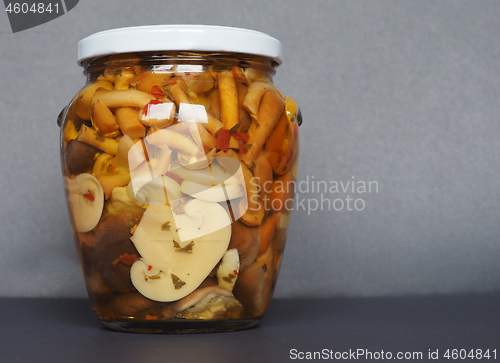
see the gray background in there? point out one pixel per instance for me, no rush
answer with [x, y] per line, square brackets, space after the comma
[399, 92]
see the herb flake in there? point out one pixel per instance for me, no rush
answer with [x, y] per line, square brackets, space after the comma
[178, 283]
[187, 248]
[235, 128]
[229, 278]
[165, 226]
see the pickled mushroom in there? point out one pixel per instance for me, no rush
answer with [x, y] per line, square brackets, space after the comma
[228, 270]
[122, 201]
[114, 251]
[178, 251]
[247, 241]
[86, 201]
[255, 285]
[130, 304]
[209, 303]
[79, 157]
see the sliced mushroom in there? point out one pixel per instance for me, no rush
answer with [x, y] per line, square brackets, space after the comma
[178, 250]
[211, 175]
[86, 201]
[158, 190]
[218, 193]
[228, 270]
[209, 303]
[148, 180]
[196, 162]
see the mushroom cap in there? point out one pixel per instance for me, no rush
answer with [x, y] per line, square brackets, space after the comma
[211, 302]
[112, 240]
[79, 157]
[247, 241]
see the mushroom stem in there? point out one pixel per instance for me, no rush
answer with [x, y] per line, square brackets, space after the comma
[122, 98]
[228, 99]
[256, 91]
[91, 137]
[112, 181]
[129, 123]
[270, 110]
[104, 119]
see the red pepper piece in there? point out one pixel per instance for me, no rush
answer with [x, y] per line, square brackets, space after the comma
[222, 138]
[157, 92]
[241, 136]
[128, 259]
[89, 195]
[243, 149]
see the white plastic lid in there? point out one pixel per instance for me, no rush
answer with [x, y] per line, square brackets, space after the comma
[206, 38]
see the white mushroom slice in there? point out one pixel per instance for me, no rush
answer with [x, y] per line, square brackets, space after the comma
[140, 176]
[184, 248]
[136, 156]
[153, 191]
[230, 164]
[160, 163]
[211, 175]
[174, 140]
[228, 270]
[193, 162]
[203, 219]
[149, 184]
[86, 200]
[218, 193]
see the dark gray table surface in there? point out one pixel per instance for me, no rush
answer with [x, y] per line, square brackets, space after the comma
[66, 330]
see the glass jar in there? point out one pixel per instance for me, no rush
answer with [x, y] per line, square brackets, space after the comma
[179, 158]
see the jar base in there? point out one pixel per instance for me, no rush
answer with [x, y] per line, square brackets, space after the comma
[180, 327]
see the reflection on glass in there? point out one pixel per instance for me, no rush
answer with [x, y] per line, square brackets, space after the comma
[171, 167]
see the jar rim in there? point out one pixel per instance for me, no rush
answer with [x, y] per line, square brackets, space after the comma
[203, 38]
